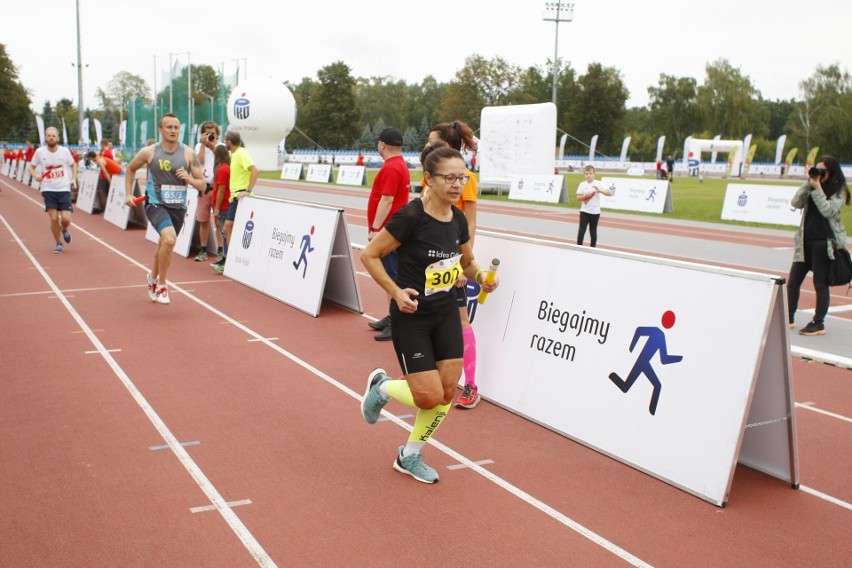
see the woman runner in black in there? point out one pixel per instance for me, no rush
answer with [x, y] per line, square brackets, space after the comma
[434, 256]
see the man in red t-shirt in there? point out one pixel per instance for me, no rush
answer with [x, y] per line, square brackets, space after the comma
[28, 156]
[389, 194]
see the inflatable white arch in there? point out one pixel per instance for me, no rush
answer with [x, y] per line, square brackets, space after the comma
[693, 147]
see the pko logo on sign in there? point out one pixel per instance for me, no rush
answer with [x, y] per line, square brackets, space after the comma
[248, 231]
[241, 107]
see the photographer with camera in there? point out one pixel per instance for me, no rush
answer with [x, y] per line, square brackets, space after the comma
[209, 138]
[821, 199]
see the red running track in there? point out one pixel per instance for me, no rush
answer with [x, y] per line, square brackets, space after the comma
[101, 388]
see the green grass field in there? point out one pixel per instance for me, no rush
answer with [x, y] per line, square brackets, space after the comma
[691, 199]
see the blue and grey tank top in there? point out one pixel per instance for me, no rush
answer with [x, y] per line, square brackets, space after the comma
[164, 187]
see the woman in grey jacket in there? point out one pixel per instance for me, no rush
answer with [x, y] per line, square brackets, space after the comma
[821, 200]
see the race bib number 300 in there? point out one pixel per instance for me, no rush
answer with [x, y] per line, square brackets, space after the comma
[442, 275]
[173, 194]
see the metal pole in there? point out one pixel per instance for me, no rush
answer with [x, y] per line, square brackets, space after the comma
[170, 82]
[556, 53]
[189, 98]
[557, 12]
[79, 79]
[156, 100]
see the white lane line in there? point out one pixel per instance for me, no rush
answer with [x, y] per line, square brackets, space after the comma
[264, 339]
[463, 466]
[96, 352]
[810, 406]
[166, 447]
[242, 532]
[400, 416]
[828, 498]
[211, 507]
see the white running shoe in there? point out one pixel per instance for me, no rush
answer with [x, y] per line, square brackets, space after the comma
[162, 296]
[152, 289]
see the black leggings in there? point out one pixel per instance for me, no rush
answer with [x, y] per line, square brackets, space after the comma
[816, 261]
[589, 220]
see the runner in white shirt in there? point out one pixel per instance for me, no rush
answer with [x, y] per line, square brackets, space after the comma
[590, 205]
[54, 167]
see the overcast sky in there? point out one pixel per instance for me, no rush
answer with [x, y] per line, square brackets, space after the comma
[776, 44]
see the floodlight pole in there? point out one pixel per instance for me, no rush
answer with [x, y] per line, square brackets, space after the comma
[79, 79]
[557, 12]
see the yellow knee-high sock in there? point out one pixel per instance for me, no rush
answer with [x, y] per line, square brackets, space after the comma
[427, 421]
[399, 391]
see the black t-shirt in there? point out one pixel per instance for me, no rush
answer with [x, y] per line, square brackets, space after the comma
[425, 241]
[816, 229]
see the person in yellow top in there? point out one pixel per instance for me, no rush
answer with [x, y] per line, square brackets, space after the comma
[459, 136]
[243, 177]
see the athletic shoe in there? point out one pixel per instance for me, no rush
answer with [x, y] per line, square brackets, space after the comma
[792, 325]
[220, 268]
[379, 325]
[201, 256]
[469, 398]
[813, 328]
[66, 235]
[152, 288]
[58, 248]
[385, 334]
[162, 296]
[413, 465]
[373, 401]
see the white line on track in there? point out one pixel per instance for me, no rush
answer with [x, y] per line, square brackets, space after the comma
[810, 406]
[237, 526]
[211, 507]
[828, 498]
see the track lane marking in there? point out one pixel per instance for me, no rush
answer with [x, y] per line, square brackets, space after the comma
[236, 525]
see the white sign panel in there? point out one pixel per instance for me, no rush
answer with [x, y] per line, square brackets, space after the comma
[87, 191]
[631, 194]
[292, 171]
[642, 371]
[288, 250]
[516, 140]
[115, 210]
[319, 173]
[352, 175]
[759, 203]
[542, 188]
[183, 245]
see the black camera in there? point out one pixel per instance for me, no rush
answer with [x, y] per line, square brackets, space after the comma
[816, 173]
[211, 137]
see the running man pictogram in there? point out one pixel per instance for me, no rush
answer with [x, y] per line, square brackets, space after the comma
[306, 248]
[656, 342]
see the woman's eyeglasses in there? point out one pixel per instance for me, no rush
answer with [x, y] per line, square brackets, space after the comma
[453, 178]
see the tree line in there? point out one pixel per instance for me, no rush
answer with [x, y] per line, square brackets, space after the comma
[339, 111]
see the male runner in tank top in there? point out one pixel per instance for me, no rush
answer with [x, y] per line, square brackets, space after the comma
[171, 167]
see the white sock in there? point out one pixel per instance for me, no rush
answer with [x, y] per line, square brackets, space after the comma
[412, 448]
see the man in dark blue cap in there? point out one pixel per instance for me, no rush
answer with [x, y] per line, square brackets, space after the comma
[390, 192]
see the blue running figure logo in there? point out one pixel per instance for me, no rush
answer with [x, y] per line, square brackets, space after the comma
[656, 342]
[306, 248]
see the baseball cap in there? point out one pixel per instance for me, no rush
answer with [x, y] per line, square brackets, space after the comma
[391, 137]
